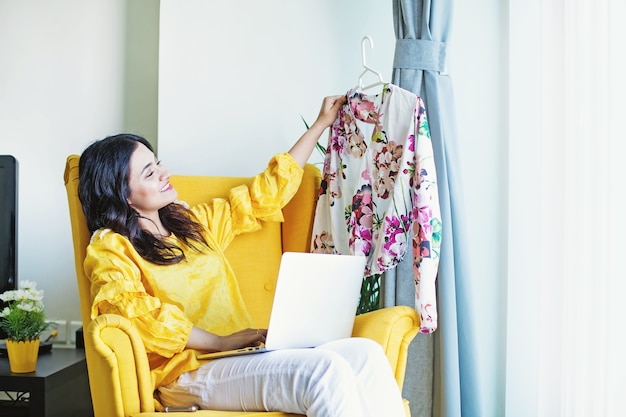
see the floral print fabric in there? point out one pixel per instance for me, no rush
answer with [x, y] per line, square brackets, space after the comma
[378, 196]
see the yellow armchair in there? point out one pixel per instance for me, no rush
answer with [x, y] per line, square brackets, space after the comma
[119, 375]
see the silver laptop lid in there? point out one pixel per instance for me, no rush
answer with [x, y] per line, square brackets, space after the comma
[316, 299]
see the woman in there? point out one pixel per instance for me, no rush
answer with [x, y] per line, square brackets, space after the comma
[162, 265]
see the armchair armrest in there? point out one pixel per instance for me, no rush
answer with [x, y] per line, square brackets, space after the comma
[393, 328]
[119, 374]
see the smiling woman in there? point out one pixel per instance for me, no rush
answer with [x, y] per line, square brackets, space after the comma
[163, 266]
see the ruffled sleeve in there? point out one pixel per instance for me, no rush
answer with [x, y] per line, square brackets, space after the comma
[262, 199]
[117, 288]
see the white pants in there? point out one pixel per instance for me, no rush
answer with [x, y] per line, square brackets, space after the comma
[345, 378]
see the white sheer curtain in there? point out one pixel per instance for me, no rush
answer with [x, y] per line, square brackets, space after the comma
[576, 151]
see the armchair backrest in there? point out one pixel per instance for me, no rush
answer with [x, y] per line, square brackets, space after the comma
[255, 257]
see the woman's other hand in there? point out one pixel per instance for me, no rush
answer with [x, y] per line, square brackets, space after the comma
[243, 338]
[209, 342]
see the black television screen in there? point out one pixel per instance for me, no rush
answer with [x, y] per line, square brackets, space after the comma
[8, 223]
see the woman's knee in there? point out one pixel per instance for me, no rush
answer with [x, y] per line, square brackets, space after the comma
[358, 351]
[329, 365]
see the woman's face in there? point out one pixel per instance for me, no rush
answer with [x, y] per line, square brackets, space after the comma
[150, 188]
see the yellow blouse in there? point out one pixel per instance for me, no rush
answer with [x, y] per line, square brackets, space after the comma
[164, 302]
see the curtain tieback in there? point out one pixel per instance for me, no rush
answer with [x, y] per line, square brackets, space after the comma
[421, 54]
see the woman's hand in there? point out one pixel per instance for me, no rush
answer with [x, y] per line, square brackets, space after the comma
[243, 338]
[328, 112]
[302, 149]
[209, 342]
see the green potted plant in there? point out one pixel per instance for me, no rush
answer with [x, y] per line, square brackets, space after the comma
[23, 319]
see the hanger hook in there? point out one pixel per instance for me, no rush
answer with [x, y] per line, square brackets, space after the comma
[371, 42]
[368, 69]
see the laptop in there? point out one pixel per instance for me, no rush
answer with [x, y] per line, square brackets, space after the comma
[315, 302]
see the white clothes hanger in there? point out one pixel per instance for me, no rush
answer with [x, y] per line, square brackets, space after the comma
[368, 69]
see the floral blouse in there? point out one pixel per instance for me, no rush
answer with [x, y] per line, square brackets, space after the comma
[379, 188]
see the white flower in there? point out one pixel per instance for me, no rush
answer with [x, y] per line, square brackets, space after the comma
[35, 295]
[29, 306]
[21, 295]
[14, 295]
[27, 285]
[5, 312]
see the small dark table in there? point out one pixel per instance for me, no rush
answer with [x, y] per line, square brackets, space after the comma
[59, 386]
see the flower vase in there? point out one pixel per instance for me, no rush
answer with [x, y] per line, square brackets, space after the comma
[23, 355]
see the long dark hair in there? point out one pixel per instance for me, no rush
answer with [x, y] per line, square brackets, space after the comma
[103, 190]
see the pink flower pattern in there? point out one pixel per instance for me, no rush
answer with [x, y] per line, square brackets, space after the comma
[379, 188]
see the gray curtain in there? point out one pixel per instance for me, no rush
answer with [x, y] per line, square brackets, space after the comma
[441, 376]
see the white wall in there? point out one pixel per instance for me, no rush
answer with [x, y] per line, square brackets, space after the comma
[63, 83]
[235, 77]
